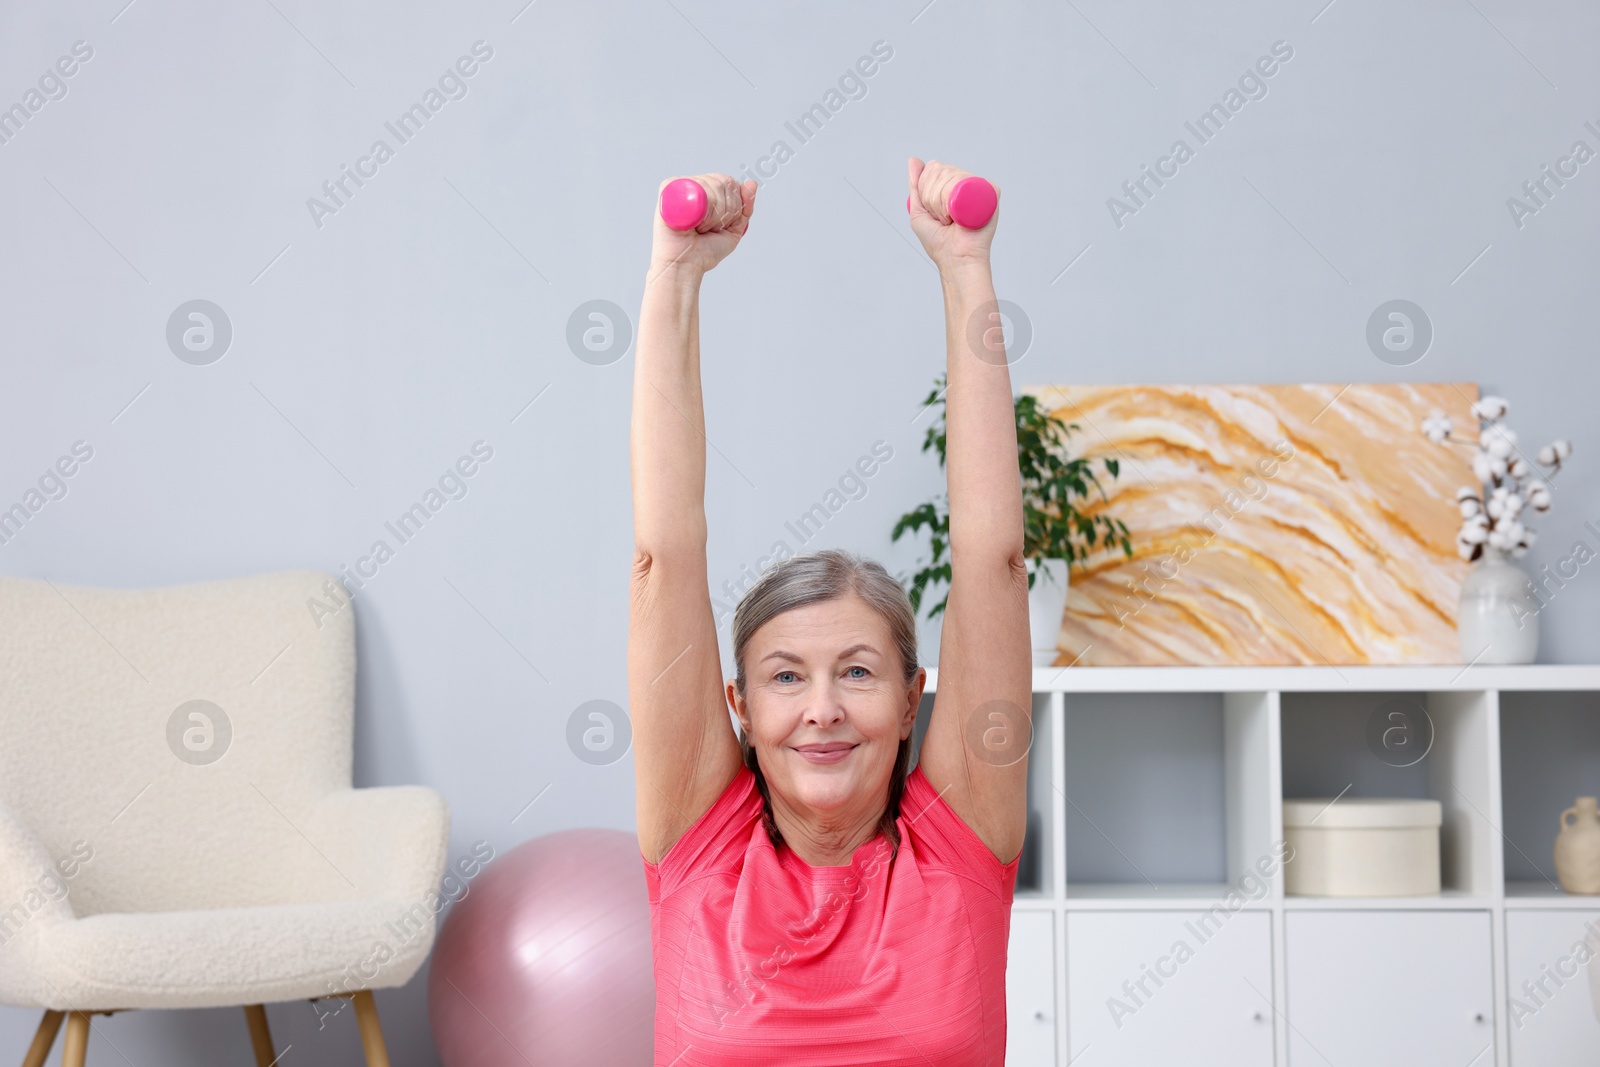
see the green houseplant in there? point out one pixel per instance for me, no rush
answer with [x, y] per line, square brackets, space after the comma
[1055, 533]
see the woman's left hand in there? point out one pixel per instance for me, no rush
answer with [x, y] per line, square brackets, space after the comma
[946, 242]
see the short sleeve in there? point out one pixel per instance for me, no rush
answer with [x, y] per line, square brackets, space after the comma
[715, 842]
[945, 840]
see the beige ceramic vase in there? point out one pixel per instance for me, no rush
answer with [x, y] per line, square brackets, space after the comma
[1577, 852]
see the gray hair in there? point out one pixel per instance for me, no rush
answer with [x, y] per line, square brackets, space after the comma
[813, 577]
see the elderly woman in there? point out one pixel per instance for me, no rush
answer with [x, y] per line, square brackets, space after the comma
[812, 900]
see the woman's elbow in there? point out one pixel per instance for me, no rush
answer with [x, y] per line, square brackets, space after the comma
[642, 559]
[1017, 563]
[991, 543]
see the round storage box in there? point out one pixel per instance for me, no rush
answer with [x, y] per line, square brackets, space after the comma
[1361, 847]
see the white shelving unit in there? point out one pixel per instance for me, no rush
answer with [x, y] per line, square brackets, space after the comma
[1156, 792]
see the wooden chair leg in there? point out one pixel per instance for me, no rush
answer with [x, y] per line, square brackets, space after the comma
[260, 1034]
[76, 1045]
[43, 1039]
[371, 1032]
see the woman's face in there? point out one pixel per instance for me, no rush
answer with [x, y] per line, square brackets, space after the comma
[826, 674]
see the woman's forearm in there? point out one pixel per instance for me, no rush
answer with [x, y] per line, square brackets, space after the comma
[985, 483]
[667, 441]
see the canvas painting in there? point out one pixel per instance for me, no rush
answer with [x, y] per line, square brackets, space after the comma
[1271, 524]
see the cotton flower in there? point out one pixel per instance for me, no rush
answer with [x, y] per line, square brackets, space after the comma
[1491, 408]
[1500, 441]
[1510, 502]
[1488, 468]
[1505, 535]
[1506, 483]
[1526, 538]
[1437, 426]
[1552, 454]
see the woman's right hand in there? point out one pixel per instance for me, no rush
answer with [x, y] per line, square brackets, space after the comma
[727, 217]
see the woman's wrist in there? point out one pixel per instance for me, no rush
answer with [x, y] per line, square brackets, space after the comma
[964, 272]
[676, 272]
[966, 283]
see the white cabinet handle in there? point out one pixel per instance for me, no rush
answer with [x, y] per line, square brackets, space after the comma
[1256, 1017]
[1478, 1018]
[1041, 1016]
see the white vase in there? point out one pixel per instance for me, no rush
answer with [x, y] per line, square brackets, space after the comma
[1047, 602]
[1497, 619]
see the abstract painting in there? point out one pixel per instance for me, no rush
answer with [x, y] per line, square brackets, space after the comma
[1271, 524]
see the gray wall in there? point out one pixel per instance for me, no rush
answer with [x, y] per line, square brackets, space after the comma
[372, 349]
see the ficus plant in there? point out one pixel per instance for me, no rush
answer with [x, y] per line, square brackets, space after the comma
[1053, 527]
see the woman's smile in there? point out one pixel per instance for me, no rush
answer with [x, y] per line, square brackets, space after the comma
[831, 752]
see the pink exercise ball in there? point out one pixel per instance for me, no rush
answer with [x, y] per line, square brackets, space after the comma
[546, 960]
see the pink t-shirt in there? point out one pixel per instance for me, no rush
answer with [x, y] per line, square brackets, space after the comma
[761, 958]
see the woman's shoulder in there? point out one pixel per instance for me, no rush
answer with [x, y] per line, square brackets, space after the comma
[714, 841]
[944, 839]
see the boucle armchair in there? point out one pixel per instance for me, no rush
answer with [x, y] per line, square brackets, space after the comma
[177, 823]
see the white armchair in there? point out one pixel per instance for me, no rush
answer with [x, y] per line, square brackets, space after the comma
[177, 824]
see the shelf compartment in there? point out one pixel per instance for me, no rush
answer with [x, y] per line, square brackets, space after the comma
[1390, 988]
[1549, 1004]
[1170, 987]
[1169, 796]
[1351, 743]
[1549, 755]
[1146, 800]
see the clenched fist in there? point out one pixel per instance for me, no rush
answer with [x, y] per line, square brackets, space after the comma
[946, 242]
[728, 209]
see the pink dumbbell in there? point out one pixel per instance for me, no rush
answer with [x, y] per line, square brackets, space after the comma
[972, 203]
[684, 204]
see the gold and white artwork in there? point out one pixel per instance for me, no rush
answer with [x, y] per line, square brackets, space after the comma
[1271, 524]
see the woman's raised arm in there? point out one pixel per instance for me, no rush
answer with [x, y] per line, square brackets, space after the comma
[685, 751]
[978, 739]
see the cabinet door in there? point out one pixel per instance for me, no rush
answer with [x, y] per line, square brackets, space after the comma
[1551, 1000]
[1161, 987]
[1031, 990]
[1389, 988]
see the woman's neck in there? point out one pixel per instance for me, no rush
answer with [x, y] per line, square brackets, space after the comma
[832, 845]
